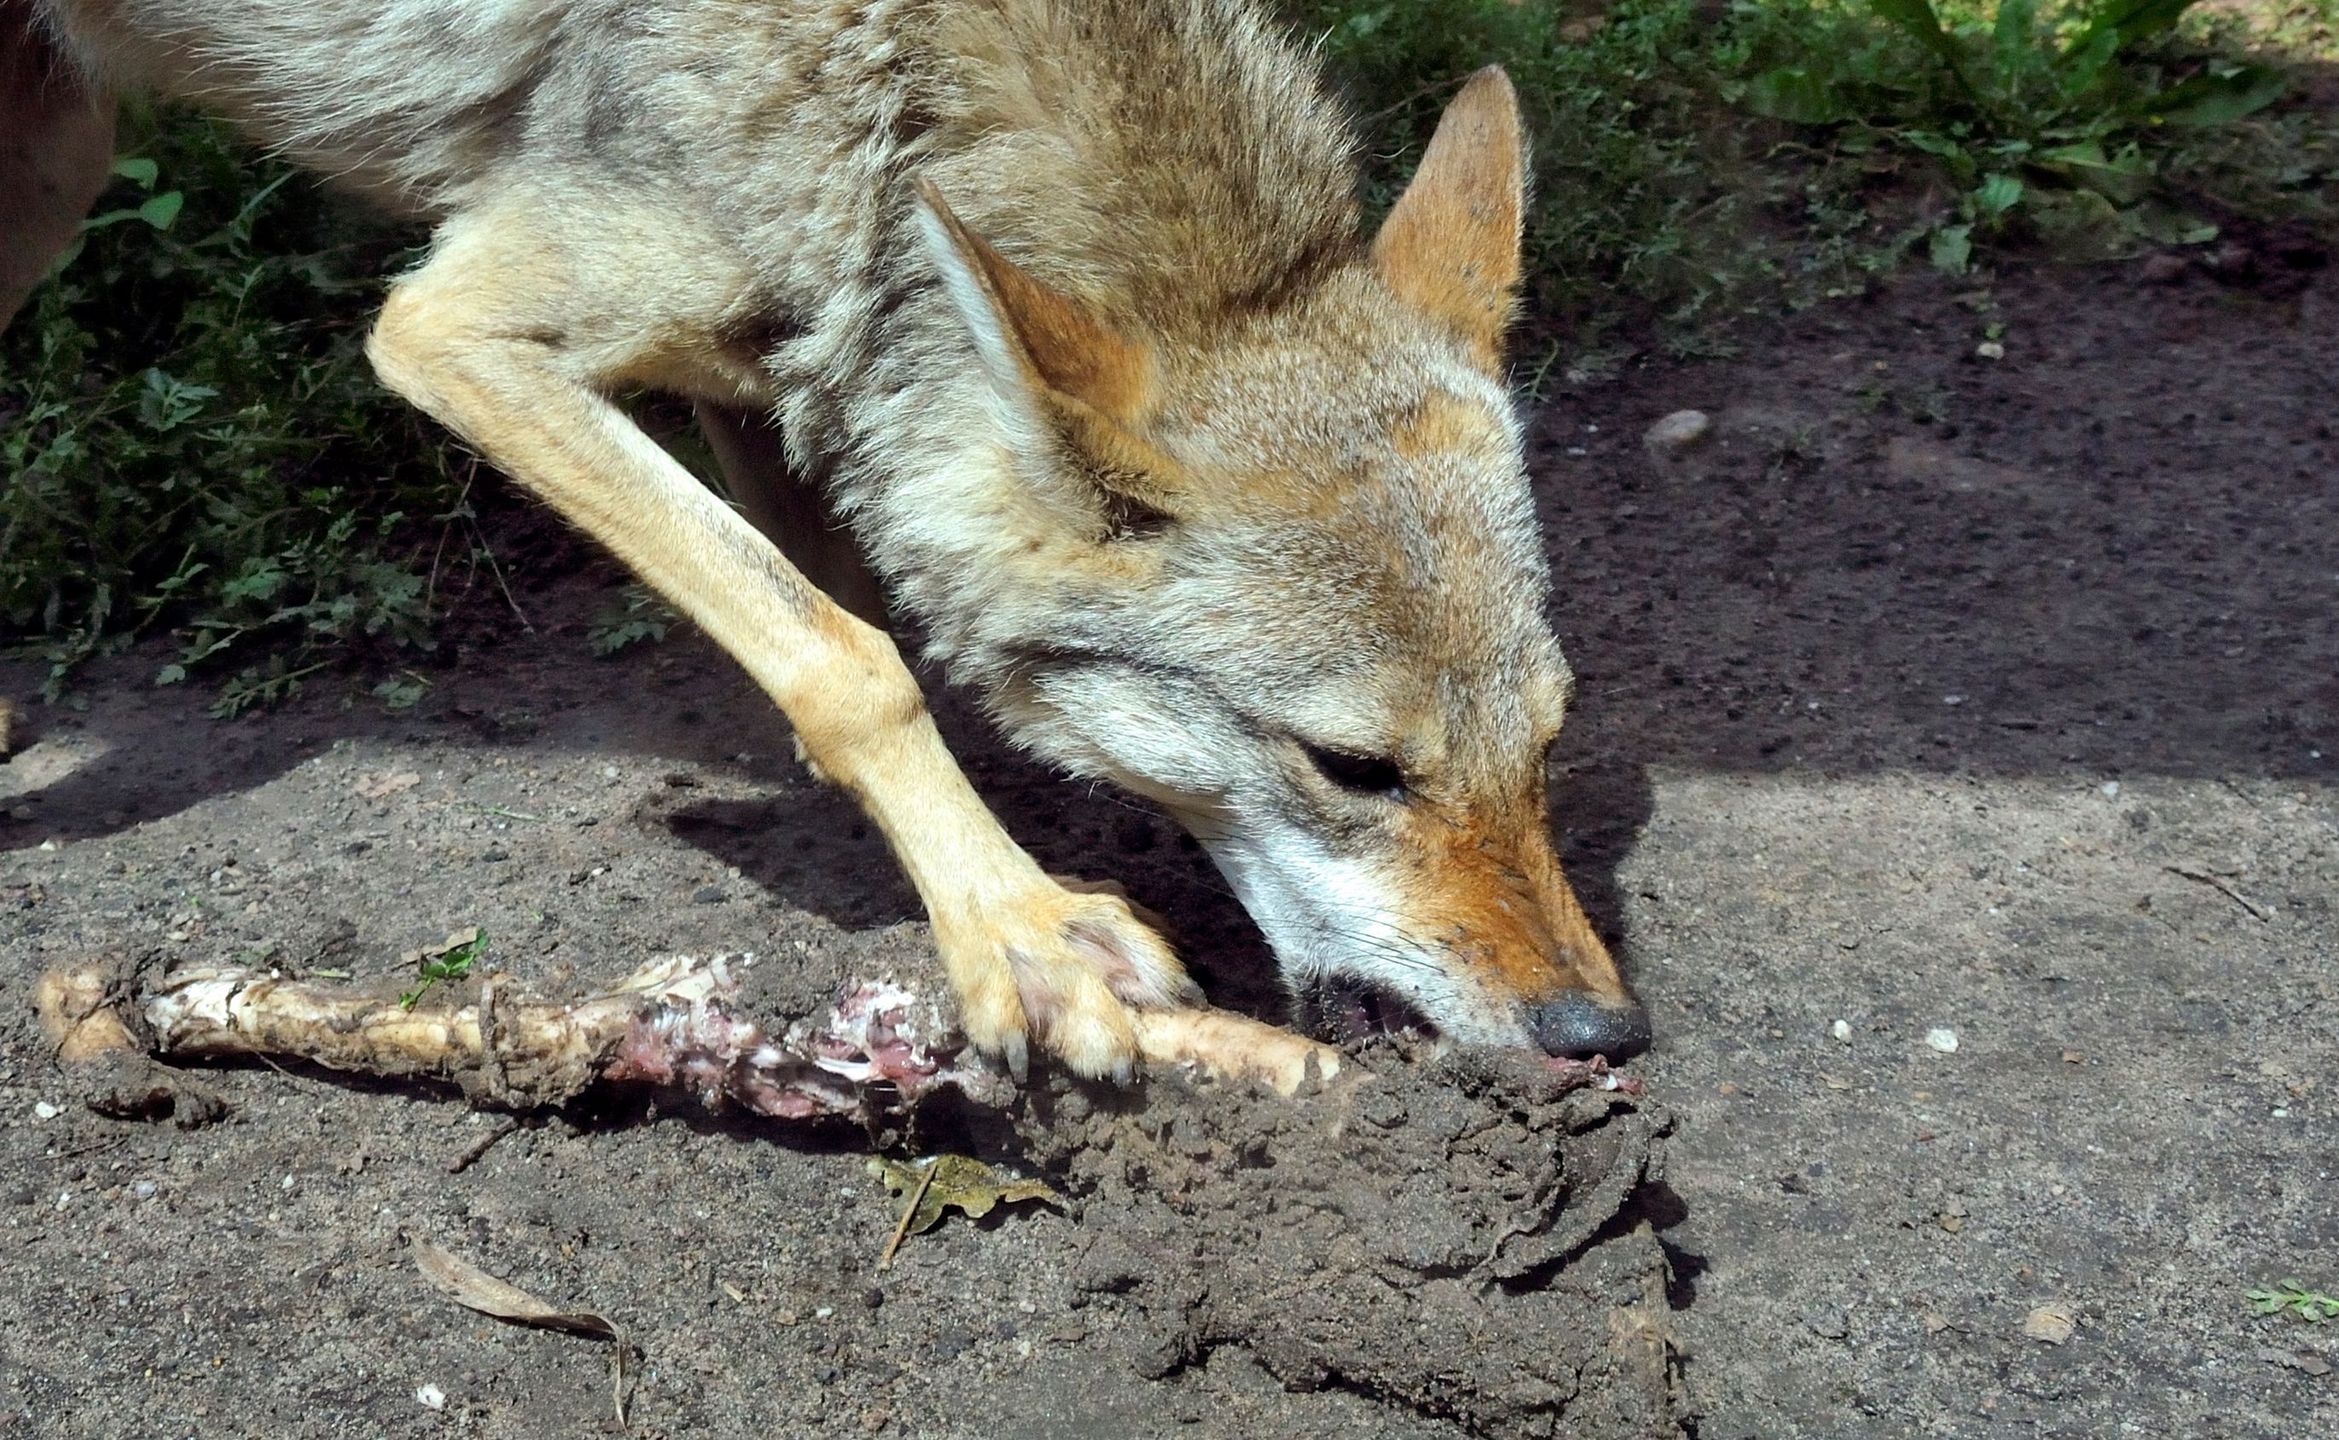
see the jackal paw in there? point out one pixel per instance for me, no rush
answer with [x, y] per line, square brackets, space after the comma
[1064, 968]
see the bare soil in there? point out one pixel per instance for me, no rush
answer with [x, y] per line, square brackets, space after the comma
[1933, 694]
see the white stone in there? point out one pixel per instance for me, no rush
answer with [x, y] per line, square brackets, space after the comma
[1677, 432]
[1943, 1039]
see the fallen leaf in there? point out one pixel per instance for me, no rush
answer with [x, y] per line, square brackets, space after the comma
[957, 1181]
[384, 784]
[474, 1289]
[2052, 1323]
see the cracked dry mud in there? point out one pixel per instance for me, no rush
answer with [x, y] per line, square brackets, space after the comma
[1916, 697]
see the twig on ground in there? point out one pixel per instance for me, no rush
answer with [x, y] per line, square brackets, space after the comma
[2204, 877]
[909, 1212]
[472, 1153]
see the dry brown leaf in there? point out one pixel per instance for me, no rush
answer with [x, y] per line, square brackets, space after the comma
[960, 1181]
[2051, 1323]
[474, 1289]
[381, 785]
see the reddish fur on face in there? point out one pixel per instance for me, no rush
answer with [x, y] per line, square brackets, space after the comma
[1488, 887]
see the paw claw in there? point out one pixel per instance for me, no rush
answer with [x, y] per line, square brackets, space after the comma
[1069, 968]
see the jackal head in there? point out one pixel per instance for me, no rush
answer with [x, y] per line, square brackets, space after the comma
[1297, 598]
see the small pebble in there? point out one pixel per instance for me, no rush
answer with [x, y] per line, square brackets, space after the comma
[1841, 1029]
[431, 1396]
[2052, 1323]
[1677, 432]
[144, 1189]
[290, 1181]
[1943, 1039]
[609, 772]
[43, 1110]
[2111, 788]
[1990, 350]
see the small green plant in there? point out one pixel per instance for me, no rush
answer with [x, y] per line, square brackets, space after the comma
[2291, 1296]
[194, 443]
[632, 615]
[2050, 115]
[452, 961]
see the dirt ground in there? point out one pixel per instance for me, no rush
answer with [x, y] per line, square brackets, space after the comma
[1932, 696]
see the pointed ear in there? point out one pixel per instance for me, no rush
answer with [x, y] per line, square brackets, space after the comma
[1033, 337]
[1450, 247]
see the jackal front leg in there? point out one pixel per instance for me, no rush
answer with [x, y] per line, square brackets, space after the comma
[509, 336]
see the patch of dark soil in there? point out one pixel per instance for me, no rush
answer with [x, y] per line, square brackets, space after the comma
[1445, 1253]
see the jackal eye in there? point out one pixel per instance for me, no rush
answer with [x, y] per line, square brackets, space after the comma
[1358, 774]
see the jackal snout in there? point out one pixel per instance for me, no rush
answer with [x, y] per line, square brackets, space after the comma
[1517, 941]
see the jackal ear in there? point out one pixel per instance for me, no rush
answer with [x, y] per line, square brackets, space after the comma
[1034, 338]
[1450, 246]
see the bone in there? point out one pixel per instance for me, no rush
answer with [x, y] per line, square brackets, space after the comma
[879, 1050]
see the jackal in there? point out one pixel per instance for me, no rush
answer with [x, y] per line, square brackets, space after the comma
[1061, 317]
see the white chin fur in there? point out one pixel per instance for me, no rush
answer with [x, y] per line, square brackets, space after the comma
[1327, 917]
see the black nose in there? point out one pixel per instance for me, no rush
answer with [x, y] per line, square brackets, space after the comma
[1577, 1026]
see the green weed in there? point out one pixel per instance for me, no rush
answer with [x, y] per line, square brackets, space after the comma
[194, 443]
[2072, 123]
[632, 614]
[451, 961]
[2294, 1298]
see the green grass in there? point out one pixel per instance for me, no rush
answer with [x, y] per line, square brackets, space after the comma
[1693, 164]
[2289, 1297]
[195, 444]
[196, 447]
